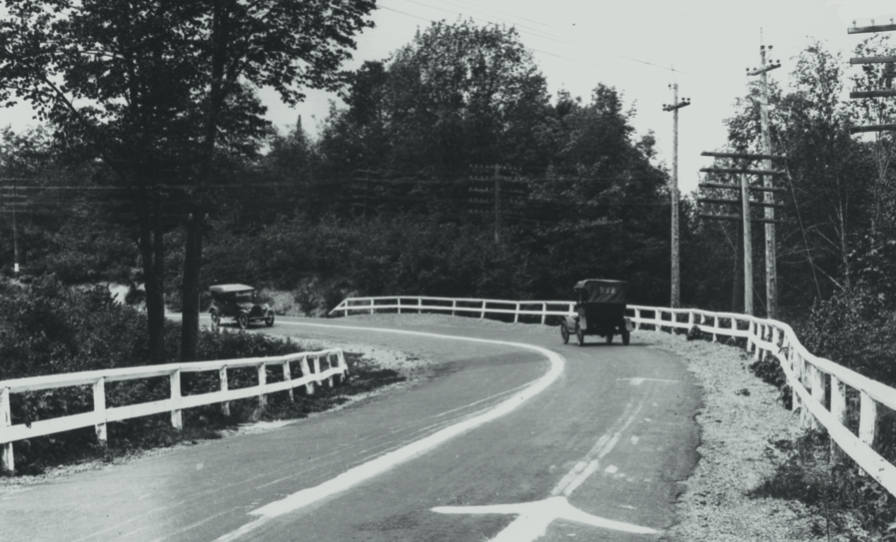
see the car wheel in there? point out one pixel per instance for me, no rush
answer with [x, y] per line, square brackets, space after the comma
[564, 332]
[269, 319]
[580, 335]
[242, 320]
[609, 338]
[216, 320]
[626, 337]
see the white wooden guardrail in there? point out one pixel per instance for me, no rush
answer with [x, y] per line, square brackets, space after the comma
[454, 306]
[807, 374]
[309, 363]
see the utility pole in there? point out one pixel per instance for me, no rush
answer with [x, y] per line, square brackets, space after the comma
[15, 229]
[676, 278]
[771, 273]
[497, 205]
[744, 203]
[748, 244]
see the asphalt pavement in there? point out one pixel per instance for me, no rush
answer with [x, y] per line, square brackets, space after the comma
[518, 438]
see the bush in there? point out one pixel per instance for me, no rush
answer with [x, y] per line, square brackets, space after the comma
[854, 329]
[50, 329]
[838, 493]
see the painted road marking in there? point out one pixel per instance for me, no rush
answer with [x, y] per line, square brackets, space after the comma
[390, 460]
[533, 518]
[637, 381]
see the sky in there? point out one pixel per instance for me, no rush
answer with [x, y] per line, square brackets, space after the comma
[640, 47]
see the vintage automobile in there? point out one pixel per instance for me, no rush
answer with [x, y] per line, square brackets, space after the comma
[600, 310]
[239, 302]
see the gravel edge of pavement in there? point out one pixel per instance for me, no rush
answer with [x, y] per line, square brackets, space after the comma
[740, 419]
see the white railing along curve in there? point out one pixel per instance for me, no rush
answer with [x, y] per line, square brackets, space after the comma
[807, 374]
[454, 306]
[308, 362]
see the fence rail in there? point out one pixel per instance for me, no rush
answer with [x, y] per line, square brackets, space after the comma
[310, 364]
[454, 306]
[808, 375]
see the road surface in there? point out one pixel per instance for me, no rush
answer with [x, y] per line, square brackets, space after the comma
[519, 438]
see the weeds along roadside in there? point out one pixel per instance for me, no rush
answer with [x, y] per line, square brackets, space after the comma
[50, 329]
[833, 485]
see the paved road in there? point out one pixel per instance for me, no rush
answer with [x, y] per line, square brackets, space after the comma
[507, 444]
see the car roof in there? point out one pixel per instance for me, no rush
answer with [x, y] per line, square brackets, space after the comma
[225, 288]
[582, 283]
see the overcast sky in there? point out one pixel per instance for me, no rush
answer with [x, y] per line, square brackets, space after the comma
[638, 46]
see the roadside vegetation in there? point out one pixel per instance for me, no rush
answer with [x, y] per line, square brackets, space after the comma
[46, 329]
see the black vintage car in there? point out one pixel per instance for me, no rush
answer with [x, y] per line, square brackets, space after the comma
[239, 302]
[600, 310]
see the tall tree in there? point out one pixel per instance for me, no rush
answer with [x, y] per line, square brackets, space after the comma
[457, 94]
[153, 86]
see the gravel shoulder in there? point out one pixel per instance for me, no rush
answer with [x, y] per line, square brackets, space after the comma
[740, 418]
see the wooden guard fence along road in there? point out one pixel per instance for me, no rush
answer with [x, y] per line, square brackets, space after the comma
[517, 437]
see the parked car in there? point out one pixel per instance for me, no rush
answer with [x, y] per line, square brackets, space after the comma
[600, 310]
[239, 302]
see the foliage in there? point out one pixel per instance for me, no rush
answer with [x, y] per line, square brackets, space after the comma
[50, 329]
[837, 493]
[458, 94]
[854, 330]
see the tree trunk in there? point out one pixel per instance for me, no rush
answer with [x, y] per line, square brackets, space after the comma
[195, 226]
[192, 286]
[149, 246]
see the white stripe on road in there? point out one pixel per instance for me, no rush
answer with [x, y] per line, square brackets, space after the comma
[533, 518]
[390, 460]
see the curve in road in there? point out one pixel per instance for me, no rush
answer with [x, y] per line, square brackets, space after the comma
[392, 459]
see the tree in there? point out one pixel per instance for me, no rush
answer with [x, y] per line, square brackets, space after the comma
[458, 94]
[153, 88]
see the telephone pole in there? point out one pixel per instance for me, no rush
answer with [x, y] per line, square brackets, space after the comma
[744, 203]
[771, 273]
[674, 107]
[497, 205]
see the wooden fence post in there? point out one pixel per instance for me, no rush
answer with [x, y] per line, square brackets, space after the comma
[222, 374]
[306, 371]
[752, 343]
[867, 418]
[262, 383]
[371, 305]
[287, 376]
[398, 304]
[637, 318]
[481, 316]
[7, 461]
[340, 358]
[801, 378]
[177, 419]
[838, 410]
[99, 409]
[453, 307]
[544, 312]
[516, 316]
[817, 382]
